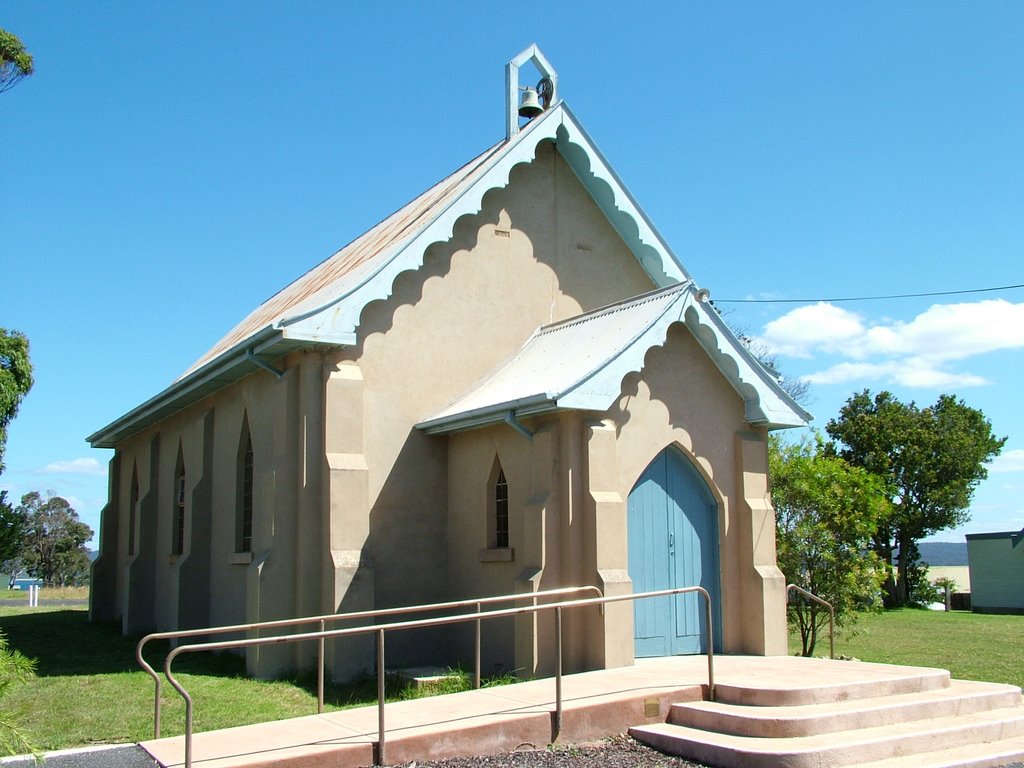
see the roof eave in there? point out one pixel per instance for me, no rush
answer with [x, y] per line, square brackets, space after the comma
[225, 369]
[489, 415]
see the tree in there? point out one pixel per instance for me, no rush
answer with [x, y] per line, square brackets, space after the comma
[798, 389]
[12, 535]
[826, 514]
[931, 459]
[15, 380]
[15, 61]
[54, 545]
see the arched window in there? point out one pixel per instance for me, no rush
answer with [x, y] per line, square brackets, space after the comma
[497, 508]
[501, 511]
[133, 511]
[243, 507]
[178, 528]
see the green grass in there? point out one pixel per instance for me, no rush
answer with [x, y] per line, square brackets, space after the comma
[45, 594]
[972, 646]
[88, 688]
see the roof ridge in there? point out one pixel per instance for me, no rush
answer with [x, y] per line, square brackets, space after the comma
[618, 306]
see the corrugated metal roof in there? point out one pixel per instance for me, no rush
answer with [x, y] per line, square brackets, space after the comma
[351, 260]
[558, 358]
[324, 305]
[579, 363]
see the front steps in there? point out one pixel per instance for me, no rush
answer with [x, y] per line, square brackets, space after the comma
[915, 718]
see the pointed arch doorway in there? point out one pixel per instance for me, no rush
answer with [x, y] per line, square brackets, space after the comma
[673, 542]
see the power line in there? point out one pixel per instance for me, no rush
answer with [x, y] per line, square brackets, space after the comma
[867, 298]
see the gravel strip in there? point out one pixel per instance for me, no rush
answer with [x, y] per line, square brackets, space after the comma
[619, 752]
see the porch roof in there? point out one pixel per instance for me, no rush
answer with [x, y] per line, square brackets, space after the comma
[579, 363]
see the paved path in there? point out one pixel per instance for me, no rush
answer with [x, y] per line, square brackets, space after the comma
[120, 756]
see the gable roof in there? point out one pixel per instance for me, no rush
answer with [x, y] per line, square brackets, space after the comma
[324, 305]
[579, 364]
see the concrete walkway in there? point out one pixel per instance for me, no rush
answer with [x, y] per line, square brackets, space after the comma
[492, 720]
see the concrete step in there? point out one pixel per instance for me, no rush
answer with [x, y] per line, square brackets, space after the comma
[988, 755]
[961, 697]
[782, 693]
[834, 749]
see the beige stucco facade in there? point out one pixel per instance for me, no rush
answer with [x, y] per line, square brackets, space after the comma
[354, 507]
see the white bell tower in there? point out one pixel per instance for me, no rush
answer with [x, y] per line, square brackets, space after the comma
[546, 92]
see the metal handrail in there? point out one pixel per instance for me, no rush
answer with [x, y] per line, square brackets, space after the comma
[831, 615]
[323, 620]
[380, 629]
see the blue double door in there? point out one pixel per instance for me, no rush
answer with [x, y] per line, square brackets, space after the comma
[673, 542]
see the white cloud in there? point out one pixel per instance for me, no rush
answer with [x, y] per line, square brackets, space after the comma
[914, 354]
[844, 372]
[1008, 461]
[74, 467]
[952, 331]
[913, 372]
[819, 326]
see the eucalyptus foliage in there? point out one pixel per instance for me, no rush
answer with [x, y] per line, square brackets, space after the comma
[15, 380]
[53, 548]
[931, 460]
[826, 514]
[15, 61]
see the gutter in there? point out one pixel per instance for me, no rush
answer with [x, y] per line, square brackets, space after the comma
[145, 414]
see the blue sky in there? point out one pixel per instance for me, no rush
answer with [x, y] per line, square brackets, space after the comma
[170, 165]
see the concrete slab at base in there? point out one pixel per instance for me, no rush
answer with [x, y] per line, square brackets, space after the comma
[488, 721]
[608, 702]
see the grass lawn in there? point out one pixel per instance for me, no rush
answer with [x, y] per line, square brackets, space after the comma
[972, 646]
[88, 690]
[14, 596]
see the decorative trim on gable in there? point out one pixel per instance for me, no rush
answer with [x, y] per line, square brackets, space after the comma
[339, 315]
[329, 314]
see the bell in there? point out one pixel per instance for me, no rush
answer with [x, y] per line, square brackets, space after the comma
[530, 106]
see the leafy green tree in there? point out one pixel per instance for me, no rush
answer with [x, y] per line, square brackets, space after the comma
[15, 61]
[931, 459]
[12, 529]
[826, 513]
[54, 544]
[15, 380]
[12, 535]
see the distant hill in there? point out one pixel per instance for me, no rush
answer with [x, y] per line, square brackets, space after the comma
[943, 552]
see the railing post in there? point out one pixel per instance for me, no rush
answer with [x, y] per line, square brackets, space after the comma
[320, 672]
[156, 714]
[711, 645]
[476, 669]
[380, 698]
[831, 632]
[188, 732]
[558, 672]
[188, 702]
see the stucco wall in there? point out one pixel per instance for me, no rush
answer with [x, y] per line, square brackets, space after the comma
[568, 493]
[539, 251]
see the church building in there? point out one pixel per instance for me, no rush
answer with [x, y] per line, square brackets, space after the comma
[509, 385]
